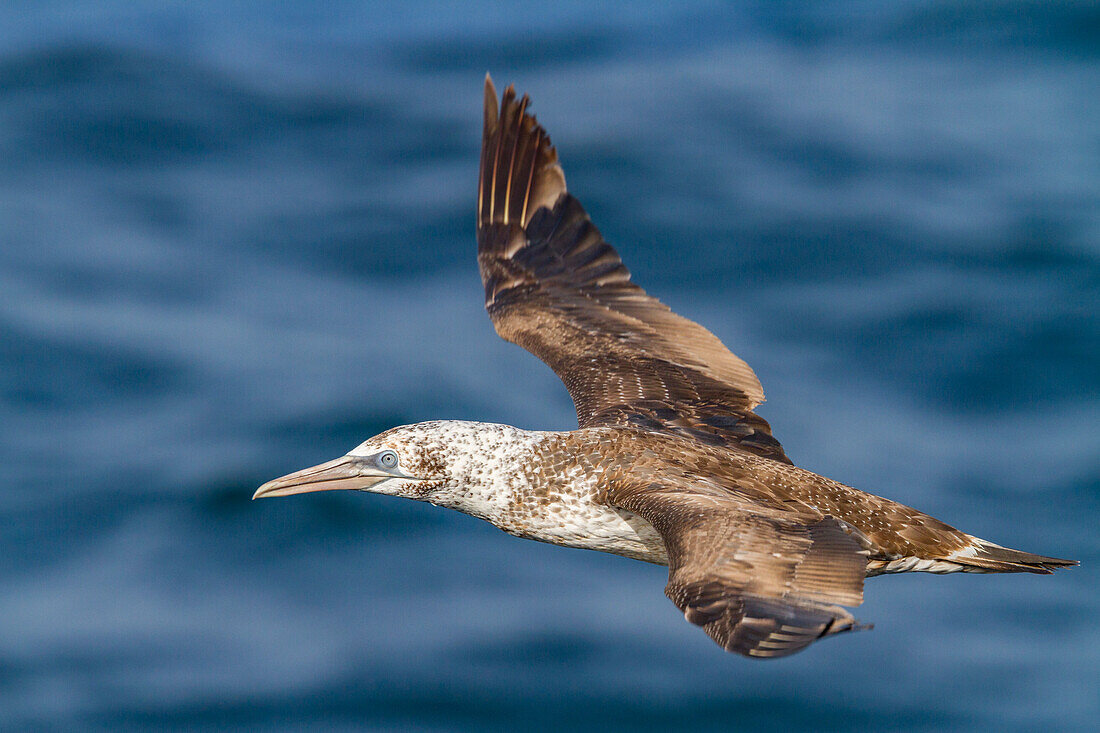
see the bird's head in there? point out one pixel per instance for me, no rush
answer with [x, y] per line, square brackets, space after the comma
[441, 462]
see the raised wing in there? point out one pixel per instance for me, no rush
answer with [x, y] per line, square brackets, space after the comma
[759, 581]
[556, 288]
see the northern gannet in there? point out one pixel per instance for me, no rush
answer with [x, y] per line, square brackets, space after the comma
[669, 464]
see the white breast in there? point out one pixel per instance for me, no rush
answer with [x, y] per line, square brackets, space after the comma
[590, 526]
[563, 510]
[500, 481]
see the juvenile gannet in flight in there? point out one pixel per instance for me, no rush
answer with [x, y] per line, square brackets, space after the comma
[670, 464]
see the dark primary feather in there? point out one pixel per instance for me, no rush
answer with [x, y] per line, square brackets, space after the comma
[556, 288]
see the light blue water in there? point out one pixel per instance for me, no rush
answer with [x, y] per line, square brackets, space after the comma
[236, 241]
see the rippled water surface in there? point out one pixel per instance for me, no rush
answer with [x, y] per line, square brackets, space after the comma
[237, 240]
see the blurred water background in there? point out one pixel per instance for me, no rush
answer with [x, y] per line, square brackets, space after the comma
[237, 239]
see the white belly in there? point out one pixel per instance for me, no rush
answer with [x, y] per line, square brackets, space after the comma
[591, 526]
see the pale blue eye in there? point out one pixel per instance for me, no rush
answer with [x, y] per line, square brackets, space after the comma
[387, 459]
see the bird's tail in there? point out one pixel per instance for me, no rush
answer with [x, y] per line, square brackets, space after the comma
[984, 556]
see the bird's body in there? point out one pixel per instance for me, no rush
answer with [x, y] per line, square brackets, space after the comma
[670, 463]
[554, 487]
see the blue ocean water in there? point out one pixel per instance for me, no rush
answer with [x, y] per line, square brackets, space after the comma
[237, 239]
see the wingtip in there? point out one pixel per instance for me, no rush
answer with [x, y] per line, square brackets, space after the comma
[491, 109]
[519, 171]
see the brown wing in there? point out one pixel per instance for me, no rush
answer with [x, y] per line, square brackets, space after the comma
[760, 582]
[556, 288]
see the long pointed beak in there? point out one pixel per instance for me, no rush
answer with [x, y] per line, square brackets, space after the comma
[347, 472]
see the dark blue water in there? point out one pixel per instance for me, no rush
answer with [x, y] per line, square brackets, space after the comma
[236, 241]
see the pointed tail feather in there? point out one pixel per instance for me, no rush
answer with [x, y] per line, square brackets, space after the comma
[986, 556]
